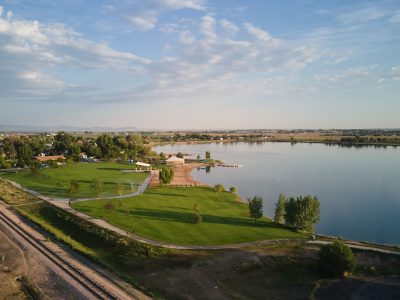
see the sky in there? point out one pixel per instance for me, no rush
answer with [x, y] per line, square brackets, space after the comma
[200, 64]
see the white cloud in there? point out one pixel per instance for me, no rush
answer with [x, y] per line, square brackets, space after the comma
[363, 15]
[145, 14]
[207, 27]
[395, 18]
[42, 49]
[258, 33]
[230, 28]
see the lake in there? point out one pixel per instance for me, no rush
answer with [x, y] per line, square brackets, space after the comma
[358, 188]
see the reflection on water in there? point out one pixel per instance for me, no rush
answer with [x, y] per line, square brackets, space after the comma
[359, 188]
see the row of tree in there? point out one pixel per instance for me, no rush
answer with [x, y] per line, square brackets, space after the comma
[301, 213]
[105, 146]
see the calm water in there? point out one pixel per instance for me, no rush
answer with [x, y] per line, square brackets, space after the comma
[358, 188]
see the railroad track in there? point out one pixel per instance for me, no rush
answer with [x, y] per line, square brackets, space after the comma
[93, 287]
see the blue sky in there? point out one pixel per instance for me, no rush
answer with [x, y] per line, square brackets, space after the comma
[199, 64]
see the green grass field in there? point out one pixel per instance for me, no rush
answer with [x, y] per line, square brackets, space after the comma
[55, 182]
[167, 214]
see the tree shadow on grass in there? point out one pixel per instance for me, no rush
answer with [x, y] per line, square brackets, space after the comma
[110, 169]
[186, 217]
[166, 194]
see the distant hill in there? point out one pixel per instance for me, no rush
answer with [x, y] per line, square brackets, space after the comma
[27, 128]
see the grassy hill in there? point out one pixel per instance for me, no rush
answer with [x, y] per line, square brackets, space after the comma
[167, 214]
[55, 182]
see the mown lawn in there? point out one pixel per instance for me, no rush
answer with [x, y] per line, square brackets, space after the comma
[55, 182]
[167, 214]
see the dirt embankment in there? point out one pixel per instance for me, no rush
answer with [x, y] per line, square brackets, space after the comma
[26, 276]
[182, 176]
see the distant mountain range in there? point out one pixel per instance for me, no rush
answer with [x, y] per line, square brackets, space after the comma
[27, 128]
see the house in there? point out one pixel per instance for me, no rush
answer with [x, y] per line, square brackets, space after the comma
[173, 160]
[49, 158]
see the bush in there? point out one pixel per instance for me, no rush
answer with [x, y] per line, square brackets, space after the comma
[166, 174]
[233, 189]
[335, 259]
[219, 188]
[197, 218]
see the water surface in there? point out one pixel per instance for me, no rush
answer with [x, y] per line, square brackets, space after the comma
[358, 188]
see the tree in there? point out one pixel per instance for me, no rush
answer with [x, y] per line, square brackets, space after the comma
[106, 145]
[24, 155]
[162, 156]
[109, 206]
[35, 171]
[335, 259]
[233, 189]
[74, 152]
[166, 174]
[302, 213]
[197, 217]
[119, 188]
[74, 187]
[255, 207]
[180, 155]
[279, 217]
[63, 141]
[96, 186]
[198, 157]
[208, 155]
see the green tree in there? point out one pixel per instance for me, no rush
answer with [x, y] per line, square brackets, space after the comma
[335, 259]
[166, 174]
[302, 213]
[35, 171]
[308, 214]
[180, 155]
[119, 188]
[73, 188]
[197, 217]
[255, 207]
[208, 155]
[162, 156]
[106, 145]
[96, 186]
[233, 189]
[24, 155]
[279, 216]
[109, 206]
[74, 152]
[63, 141]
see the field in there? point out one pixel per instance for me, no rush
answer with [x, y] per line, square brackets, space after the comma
[167, 214]
[55, 182]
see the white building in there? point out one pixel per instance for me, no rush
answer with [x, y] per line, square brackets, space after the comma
[173, 160]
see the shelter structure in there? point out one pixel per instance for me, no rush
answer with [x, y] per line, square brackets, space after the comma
[175, 161]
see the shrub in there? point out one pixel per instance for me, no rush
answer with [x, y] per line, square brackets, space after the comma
[335, 259]
[166, 174]
[233, 189]
[197, 218]
[219, 188]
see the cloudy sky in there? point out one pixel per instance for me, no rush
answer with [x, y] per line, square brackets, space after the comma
[200, 64]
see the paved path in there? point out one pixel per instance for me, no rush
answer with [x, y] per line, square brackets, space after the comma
[140, 190]
[63, 204]
[358, 246]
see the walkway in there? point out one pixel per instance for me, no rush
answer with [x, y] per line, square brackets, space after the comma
[140, 190]
[63, 204]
